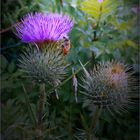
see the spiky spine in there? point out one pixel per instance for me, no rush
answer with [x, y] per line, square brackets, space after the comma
[109, 86]
[46, 64]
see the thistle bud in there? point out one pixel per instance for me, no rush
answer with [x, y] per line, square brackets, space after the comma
[109, 85]
[46, 65]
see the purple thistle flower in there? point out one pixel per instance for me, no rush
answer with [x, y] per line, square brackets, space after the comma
[39, 28]
[100, 1]
[135, 9]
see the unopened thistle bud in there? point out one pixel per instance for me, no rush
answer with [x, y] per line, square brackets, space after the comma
[46, 65]
[109, 85]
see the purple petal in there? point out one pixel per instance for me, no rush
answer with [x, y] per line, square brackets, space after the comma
[100, 1]
[39, 27]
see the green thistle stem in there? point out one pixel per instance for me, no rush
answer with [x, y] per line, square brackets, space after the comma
[94, 122]
[41, 105]
[61, 3]
[97, 26]
[99, 17]
[30, 111]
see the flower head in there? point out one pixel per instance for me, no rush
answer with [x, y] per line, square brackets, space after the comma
[109, 85]
[100, 1]
[39, 27]
[135, 9]
[47, 65]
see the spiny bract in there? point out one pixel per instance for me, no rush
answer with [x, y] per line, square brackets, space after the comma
[109, 85]
[47, 64]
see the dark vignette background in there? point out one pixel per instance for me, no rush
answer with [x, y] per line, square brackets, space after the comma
[64, 115]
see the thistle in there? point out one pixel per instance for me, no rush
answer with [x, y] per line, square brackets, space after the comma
[109, 85]
[46, 65]
[39, 28]
[46, 62]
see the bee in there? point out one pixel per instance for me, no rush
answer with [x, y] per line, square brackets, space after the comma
[66, 44]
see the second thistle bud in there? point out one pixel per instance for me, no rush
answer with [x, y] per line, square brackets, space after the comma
[109, 85]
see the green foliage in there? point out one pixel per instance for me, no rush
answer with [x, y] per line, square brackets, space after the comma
[97, 10]
[13, 10]
[114, 36]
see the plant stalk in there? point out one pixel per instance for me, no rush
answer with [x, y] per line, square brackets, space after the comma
[41, 106]
[94, 122]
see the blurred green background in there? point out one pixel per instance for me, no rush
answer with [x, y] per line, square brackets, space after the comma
[116, 38]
